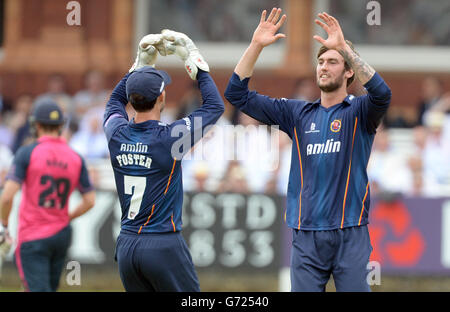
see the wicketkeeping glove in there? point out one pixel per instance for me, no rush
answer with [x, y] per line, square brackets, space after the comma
[182, 45]
[148, 48]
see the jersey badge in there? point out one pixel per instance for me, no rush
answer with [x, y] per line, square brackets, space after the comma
[335, 125]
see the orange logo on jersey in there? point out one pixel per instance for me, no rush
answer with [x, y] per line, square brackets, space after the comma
[335, 125]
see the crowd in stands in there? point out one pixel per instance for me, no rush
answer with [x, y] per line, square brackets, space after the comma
[402, 22]
[239, 154]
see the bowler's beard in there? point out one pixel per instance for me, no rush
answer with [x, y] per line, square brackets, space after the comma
[332, 85]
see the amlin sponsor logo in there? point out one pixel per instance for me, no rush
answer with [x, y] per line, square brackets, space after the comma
[330, 146]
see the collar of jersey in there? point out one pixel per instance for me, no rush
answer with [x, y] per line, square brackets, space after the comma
[347, 100]
[144, 124]
[46, 138]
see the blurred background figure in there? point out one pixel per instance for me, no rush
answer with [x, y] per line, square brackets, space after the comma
[6, 158]
[436, 156]
[200, 175]
[90, 141]
[190, 101]
[56, 91]
[93, 95]
[401, 117]
[432, 90]
[387, 168]
[6, 133]
[234, 180]
[256, 152]
[206, 164]
[306, 90]
[5, 104]
[415, 160]
[20, 124]
[282, 176]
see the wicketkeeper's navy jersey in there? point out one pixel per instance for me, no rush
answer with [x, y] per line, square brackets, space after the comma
[328, 185]
[146, 158]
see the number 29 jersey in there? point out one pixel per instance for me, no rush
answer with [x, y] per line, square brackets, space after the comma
[49, 171]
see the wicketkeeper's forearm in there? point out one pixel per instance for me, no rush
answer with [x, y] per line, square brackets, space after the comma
[244, 69]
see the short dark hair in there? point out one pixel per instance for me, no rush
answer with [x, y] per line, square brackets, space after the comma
[324, 49]
[49, 128]
[140, 103]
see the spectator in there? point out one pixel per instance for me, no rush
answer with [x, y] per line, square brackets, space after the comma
[436, 165]
[206, 163]
[90, 141]
[255, 152]
[234, 180]
[94, 94]
[400, 117]
[432, 89]
[5, 104]
[56, 91]
[6, 158]
[387, 168]
[190, 101]
[278, 182]
[443, 105]
[306, 90]
[415, 161]
[20, 121]
[200, 176]
[285, 163]
[70, 129]
[6, 134]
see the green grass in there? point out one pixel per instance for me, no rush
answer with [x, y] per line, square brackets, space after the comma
[107, 280]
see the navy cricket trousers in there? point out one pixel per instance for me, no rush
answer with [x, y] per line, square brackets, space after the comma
[156, 262]
[40, 262]
[344, 253]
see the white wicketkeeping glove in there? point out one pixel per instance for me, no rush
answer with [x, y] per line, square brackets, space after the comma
[182, 45]
[147, 51]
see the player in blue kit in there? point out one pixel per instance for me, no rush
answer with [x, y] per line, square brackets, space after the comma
[146, 157]
[328, 192]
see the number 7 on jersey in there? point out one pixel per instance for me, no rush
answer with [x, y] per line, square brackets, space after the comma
[134, 186]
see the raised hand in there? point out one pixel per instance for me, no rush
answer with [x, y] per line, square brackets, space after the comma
[181, 45]
[363, 71]
[335, 38]
[266, 32]
[147, 51]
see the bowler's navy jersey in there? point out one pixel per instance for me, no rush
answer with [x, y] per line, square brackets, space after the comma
[328, 185]
[146, 158]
